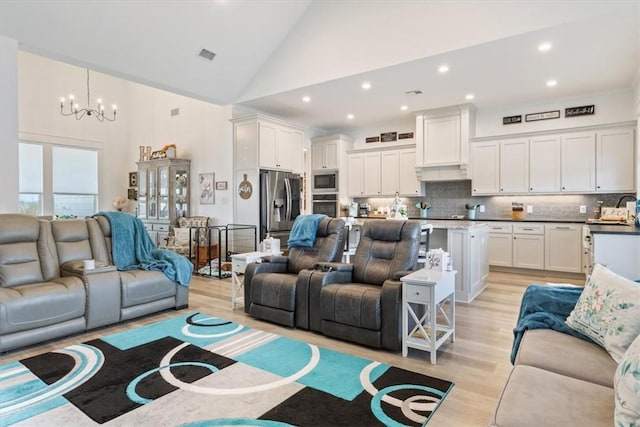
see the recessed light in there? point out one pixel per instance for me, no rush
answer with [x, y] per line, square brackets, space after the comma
[543, 47]
[552, 83]
[306, 99]
[366, 86]
[469, 96]
[443, 69]
[404, 108]
[350, 116]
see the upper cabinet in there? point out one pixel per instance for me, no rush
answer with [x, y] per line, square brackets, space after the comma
[330, 153]
[442, 142]
[264, 143]
[383, 173]
[584, 162]
[324, 155]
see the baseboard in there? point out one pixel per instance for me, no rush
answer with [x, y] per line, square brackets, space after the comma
[532, 272]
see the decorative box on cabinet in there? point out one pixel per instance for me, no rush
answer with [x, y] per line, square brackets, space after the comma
[163, 195]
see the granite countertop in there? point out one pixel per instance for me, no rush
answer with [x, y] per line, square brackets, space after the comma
[615, 229]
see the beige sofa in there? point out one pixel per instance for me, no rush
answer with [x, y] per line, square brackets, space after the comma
[557, 380]
[45, 292]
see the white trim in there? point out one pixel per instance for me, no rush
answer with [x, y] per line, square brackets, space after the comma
[553, 131]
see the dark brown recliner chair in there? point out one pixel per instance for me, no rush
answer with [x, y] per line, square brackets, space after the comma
[272, 289]
[362, 302]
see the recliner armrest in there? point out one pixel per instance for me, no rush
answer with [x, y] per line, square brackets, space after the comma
[276, 259]
[333, 266]
[76, 268]
[399, 274]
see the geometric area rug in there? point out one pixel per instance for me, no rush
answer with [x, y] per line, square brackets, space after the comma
[197, 370]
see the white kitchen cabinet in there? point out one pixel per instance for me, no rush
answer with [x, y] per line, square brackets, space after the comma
[409, 184]
[355, 166]
[500, 244]
[578, 170]
[468, 249]
[544, 164]
[486, 168]
[563, 249]
[389, 172]
[279, 147]
[324, 155]
[528, 246]
[372, 170]
[514, 166]
[615, 160]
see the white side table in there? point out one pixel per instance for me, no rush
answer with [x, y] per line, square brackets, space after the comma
[239, 263]
[428, 289]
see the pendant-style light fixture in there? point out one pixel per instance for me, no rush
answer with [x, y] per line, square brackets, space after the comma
[75, 110]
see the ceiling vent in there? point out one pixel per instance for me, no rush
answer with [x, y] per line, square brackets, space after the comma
[207, 54]
[414, 92]
[175, 112]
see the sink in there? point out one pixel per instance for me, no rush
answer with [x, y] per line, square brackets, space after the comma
[600, 222]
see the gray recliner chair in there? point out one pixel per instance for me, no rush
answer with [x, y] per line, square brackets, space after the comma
[272, 289]
[361, 302]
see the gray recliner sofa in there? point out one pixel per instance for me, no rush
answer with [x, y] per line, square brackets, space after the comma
[274, 290]
[45, 293]
[361, 302]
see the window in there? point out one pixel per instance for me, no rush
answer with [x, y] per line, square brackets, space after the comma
[58, 180]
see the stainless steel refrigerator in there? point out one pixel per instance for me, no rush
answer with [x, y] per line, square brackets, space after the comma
[280, 201]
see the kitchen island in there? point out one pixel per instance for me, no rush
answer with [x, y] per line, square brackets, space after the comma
[617, 247]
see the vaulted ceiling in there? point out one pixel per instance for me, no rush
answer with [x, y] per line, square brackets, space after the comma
[269, 54]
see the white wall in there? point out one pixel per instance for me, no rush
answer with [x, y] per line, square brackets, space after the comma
[612, 107]
[8, 125]
[201, 131]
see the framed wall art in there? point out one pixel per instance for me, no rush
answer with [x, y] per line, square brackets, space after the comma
[221, 185]
[206, 183]
[133, 179]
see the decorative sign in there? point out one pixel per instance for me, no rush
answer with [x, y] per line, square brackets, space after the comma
[388, 136]
[408, 135]
[511, 120]
[542, 116]
[245, 189]
[372, 139]
[221, 185]
[585, 110]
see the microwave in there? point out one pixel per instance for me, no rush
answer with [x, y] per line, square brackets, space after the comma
[324, 182]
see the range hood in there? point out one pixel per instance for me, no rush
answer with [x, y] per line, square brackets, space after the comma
[442, 143]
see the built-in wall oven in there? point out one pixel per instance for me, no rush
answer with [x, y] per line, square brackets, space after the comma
[324, 182]
[326, 203]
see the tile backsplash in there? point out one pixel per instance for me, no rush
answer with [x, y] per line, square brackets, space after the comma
[449, 198]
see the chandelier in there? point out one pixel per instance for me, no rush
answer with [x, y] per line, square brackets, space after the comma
[75, 110]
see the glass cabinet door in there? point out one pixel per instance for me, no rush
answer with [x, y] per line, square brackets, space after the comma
[163, 192]
[181, 193]
[153, 194]
[142, 194]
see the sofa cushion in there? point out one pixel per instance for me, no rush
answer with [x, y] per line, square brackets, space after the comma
[548, 349]
[627, 387]
[143, 286]
[534, 397]
[352, 304]
[25, 307]
[608, 311]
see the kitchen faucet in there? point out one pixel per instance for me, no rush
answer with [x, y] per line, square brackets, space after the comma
[633, 197]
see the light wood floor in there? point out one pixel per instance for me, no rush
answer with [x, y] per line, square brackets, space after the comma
[477, 362]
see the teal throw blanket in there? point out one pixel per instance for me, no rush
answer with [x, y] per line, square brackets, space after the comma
[303, 232]
[546, 307]
[132, 248]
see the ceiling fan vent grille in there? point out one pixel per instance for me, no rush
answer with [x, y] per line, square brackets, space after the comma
[414, 92]
[207, 54]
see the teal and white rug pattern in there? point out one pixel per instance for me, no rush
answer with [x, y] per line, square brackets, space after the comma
[199, 370]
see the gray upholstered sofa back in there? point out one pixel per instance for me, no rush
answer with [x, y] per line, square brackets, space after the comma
[79, 239]
[385, 247]
[27, 251]
[329, 246]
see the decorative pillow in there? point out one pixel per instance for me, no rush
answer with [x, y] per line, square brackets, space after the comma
[608, 311]
[181, 236]
[626, 383]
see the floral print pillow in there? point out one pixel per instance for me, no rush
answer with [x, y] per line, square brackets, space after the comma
[626, 383]
[608, 311]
